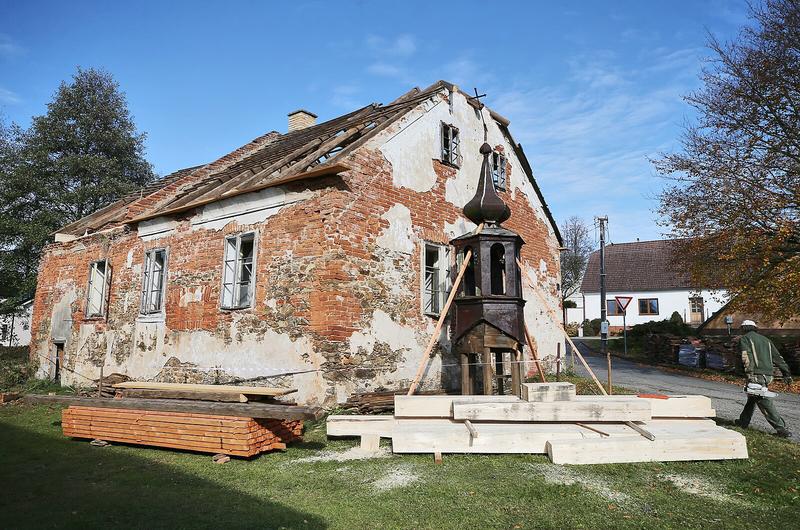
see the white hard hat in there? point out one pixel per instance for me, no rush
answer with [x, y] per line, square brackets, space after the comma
[749, 323]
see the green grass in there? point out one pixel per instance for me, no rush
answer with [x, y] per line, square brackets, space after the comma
[52, 481]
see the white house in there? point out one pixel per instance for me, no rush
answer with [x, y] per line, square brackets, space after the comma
[643, 270]
[15, 328]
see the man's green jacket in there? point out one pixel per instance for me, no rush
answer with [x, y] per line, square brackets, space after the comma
[759, 355]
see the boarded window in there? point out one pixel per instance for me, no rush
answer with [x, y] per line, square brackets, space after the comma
[154, 281]
[648, 306]
[499, 171]
[451, 145]
[99, 276]
[237, 276]
[436, 280]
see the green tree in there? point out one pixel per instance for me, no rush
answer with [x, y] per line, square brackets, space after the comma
[735, 192]
[81, 155]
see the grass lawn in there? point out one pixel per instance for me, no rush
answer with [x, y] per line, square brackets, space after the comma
[52, 481]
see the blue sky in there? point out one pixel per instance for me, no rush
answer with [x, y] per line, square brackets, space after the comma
[592, 89]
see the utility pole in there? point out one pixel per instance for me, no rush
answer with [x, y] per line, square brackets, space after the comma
[603, 309]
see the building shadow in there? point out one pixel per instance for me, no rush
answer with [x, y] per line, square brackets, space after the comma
[52, 483]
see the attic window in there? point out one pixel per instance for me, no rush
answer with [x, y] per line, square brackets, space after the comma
[451, 145]
[153, 281]
[237, 281]
[99, 276]
[499, 170]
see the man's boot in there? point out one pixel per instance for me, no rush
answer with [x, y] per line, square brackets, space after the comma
[783, 433]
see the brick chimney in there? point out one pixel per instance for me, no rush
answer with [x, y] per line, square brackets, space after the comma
[300, 119]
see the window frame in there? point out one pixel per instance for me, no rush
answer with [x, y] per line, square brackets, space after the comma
[236, 272]
[453, 156]
[443, 270]
[499, 171]
[147, 279]
[618, 313]
[101, 312]
[648, 300]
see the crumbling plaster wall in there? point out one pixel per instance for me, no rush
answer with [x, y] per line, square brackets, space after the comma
[337, 304]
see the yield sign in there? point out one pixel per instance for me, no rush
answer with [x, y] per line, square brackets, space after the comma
[623, 301]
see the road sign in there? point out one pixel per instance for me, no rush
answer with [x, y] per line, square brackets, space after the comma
[623, 301]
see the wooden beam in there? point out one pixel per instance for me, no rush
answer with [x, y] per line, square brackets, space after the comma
[439, 406]
[357, 425]
[720, 444]
[216, 389]
[677, 406]
[142, 393]
[548, 392]
[244, 410]
[644, 432]
[580, 411]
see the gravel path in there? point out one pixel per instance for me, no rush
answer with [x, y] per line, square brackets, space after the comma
[726, 398]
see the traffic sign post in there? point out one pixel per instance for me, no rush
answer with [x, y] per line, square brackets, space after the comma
[622, 303]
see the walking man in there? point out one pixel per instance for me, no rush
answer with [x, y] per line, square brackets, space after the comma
[760, 356]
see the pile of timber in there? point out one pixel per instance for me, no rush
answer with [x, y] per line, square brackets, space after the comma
[207, 433]
[377, 402]
[232, 420]
[550, 419]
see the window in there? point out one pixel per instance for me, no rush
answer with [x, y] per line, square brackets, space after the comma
[153, 281]
[237, 280]
[499, 170]
[648, 306]
[498, 268]
[696, 304]
[451, 145]
[3, 331]
[613, 308]
[99, 276]
[436, 279]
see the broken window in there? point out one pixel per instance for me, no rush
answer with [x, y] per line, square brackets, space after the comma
[499, 170]
[154, 281]
[648, 306]
[470, 285]
[99, 276]
[237, 280]
[436, 281]
[451, 145]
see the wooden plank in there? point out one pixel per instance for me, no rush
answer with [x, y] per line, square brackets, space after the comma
[251, 410]
[150, 393]
[371, 443]
[439, 406]
[548, 392]
[675, 406]
[341, 425]
[580, 411]
[721, 444]
[215, 389]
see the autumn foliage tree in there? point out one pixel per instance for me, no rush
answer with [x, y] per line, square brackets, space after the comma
[734, 193]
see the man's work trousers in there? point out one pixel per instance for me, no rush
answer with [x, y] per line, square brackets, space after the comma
[765, 405]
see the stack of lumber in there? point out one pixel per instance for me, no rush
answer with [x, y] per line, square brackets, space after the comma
[178, 430]
[232, 420]
[552, 420]
[376, 402]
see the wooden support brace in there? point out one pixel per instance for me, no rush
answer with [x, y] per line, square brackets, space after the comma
[437, 458]
[598, 431]
[644, 432]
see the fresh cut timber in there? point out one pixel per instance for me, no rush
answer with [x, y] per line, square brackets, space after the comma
[581, 411]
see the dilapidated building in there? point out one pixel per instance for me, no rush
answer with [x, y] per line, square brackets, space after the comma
[317, 259]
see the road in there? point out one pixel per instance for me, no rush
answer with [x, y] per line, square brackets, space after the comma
[727, 399]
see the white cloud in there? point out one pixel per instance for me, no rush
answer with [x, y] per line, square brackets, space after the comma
[401, 46]
[8, 47]
[8, 97]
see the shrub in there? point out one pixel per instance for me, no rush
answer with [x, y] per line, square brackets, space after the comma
[591, 328]
[676, 318]
[572, 329]
[15, 373]
[661, 326]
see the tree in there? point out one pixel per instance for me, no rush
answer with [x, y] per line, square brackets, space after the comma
[735, 185]
[578, 246]
[81, 155]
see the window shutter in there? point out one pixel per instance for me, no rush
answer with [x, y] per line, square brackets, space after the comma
[107, 290]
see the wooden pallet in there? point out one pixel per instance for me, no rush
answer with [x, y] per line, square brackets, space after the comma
[230, 435]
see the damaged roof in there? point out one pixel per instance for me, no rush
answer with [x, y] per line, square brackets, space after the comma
[635, 267]
[269, 160]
